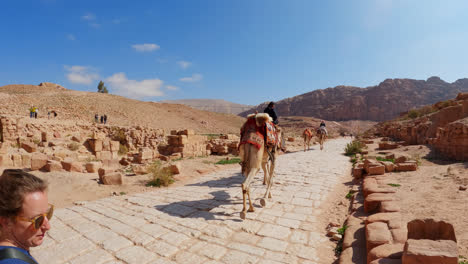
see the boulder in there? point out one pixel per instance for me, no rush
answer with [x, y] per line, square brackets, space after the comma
[26, 159]
[174, 168]
[53, 165]
[427, 251]
[140, 169]
[104, 171]
[93, 167]
[71, 165]
[377, 234]
[29, 146]
[95, 144]
[114, 146]
[406, 166]
[392, 251]
[113, 178]
[38, 161]
[431, 229]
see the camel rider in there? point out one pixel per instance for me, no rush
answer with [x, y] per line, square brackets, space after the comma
[270, 110]
[322, 127]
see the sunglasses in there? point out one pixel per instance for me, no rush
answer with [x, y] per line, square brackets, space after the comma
[39, 220]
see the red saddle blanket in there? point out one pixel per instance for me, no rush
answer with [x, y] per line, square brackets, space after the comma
[271, 135]
[252, 134]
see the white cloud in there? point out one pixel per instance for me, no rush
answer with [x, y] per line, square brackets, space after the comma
[71, 37]
[145, 47]
[81, 74]
[134, 89]
[184, 64]
[172, 87]
[89, 17]
[195, 78]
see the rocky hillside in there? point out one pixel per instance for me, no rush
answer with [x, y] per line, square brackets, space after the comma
[377, 103]
[77, 106]
[443, 125]
[212, 105]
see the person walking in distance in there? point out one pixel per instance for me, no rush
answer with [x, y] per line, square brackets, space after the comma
[102, 119]
[105, 119]
[96, 118]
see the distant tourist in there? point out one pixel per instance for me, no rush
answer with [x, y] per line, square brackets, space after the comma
[35, 112]
[102, 119]
[270, 110]
[105, 119]
[25, 213]
[96, 118]
[32, 109]
[323, 127]
[48, 115]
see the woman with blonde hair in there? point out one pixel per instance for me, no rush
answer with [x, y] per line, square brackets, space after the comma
[24, 216]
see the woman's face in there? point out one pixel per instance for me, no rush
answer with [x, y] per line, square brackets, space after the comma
[23, 232]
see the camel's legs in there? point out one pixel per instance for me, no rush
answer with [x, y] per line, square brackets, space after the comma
[265, 169]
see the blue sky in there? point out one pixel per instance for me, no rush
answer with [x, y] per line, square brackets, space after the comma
[244, 51]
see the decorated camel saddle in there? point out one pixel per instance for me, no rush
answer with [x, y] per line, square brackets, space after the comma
[259, 130]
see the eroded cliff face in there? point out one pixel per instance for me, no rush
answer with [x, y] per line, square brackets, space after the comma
[377, 103]
[446, 128]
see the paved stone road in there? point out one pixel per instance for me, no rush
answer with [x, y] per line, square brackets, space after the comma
[199, 223]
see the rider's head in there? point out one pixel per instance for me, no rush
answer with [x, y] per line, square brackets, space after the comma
[271, 104]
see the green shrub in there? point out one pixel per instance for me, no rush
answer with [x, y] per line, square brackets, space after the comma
[353, 148]
[119, 135]
[394, 184]
[212, 136]
[159, 176]
[73, 146]
[122, 149]
[384, 159]
[229, 161]
[350, 194]
[342, 230]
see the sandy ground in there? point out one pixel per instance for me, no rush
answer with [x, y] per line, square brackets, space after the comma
[433, 191]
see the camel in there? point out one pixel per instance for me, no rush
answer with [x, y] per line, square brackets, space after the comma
[322, 135]
[255, 154]
[307, 135]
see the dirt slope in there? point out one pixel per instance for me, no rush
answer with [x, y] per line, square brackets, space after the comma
[82, 106]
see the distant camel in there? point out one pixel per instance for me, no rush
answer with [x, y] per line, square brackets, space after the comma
[322, 136]
[255, 154]
[307, 135]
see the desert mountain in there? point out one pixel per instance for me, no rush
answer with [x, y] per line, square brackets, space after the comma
[76, 106]
[212, 105]
[377, 103]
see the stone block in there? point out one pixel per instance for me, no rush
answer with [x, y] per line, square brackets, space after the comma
[391, 251]
[357, 172]
[114, 146]
[186, 132]
[377, 234]
[402, 158]
[17, 161]
[140, 169]
[93, 167]
[407, 166]
[389, 166]
[106, 145]
[26, 159]
[375, 169]
[95, 144]
[372, 202]
[105, 155]
[29, 146]
[38, 161]
[56, 134]
[114, 155]
[104, 171]
[110, 163]
[76, 137]
[389, 206]
[3, 148]
[53, 165]
[71, 165]
[431, 229]
[45, 136]
[113, 178]
[174, 168]
[430, 252]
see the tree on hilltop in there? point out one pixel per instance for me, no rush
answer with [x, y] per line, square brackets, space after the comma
[101, 88]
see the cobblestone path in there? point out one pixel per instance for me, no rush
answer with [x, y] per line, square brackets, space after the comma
[199, 223]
